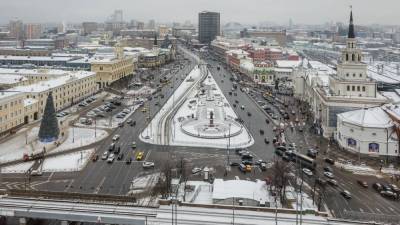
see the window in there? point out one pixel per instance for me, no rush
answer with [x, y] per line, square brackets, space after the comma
[352, 57]
[347, 74]
[354, 75]
[347, 57]
[363, 88]
[353, 88]
[358, 88]
[348, 87]
[360, 74]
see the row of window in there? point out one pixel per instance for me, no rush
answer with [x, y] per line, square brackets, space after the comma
[353, 88]
[11, 104]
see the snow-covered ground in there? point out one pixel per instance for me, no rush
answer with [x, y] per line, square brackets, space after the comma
[17, 168]
[68, 162]
[190, 125]
[143, 183]
[150, 134]
[79, 137]
[14, 148]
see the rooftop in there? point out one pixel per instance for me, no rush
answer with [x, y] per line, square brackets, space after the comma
[11, 78]
[370, 117]
[240, 189]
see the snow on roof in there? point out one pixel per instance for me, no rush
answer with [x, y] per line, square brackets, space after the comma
[283, 70]
[53, 83]
[288, 63]
[35, 58]
[240, 189]
[247, 65]
[370, 117]
[11, 78]
[237, 51]
[390, 72]
[321, 67]
[30, 72]
[392, 95]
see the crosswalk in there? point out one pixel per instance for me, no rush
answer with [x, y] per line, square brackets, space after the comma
[34, 185]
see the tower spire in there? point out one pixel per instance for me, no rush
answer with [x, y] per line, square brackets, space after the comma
[351, 25]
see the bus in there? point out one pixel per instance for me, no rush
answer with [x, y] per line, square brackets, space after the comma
[303, 160]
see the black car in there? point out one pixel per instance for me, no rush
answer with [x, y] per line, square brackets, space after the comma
[118, 150]
[267, 121]
[330, 161]
[249, 113]
[377, 186]
[120, 156]
[247, 162]
[266, 140]
[328, 169]
[128, 160]
[346, 194]
[234, 164]
[278, 152]
[261, 131]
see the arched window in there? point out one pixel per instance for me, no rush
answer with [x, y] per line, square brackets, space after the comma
[352, 57]
[347, 57]
[363, 88]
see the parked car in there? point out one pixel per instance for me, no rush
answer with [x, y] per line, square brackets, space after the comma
[261, 132]
[395, 188]
[388, 194]
[332, 182]
[329, 175]
[328, 169]
[377, 186]
[95, 158]
[307, 172]
[266, 140]
[133, 144]
[330, 161]
[111, 147]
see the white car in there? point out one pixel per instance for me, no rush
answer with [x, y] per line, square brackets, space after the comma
[307, 172]
[148, 164]
[116, 137]
[105, 155]
[329, 175]
[196, 170]
[111, 158]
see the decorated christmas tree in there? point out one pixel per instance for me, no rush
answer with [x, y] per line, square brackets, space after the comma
[49, 130]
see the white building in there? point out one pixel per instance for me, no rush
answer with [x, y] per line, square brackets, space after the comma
[369, 131]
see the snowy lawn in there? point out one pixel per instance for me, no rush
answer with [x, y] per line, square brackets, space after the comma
[75, 161]
[17, 168]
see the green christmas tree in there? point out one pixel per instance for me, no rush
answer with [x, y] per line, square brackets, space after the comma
[49, 130]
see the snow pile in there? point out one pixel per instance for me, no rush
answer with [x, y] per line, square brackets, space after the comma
[143, 183]
[75, 161]
[145, 90]
[362, 169]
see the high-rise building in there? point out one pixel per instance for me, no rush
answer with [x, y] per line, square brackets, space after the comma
[89, 27]
[117, 16]
[16, 29]
[209, 26]
[151, 24]
[32, 30]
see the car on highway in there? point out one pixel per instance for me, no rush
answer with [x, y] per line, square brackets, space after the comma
[329, 175]
[111, 158]
[129, 121]
[105, 155]
[116, 137]
[267, 121]
[111, 147]
[307, 172]
[236, 101]
[242, 107]
[139, 156]
[196, 170]
[234, 164]
[120, 124]
[362, 183]
[394, 188]
[128, 160]
[234, 105]
[346, 194]
[147, 165]
[266, 141]
[261, 132]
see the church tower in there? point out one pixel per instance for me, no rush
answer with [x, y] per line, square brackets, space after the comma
[352, 79]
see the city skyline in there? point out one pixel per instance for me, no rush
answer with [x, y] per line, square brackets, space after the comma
[310, 12]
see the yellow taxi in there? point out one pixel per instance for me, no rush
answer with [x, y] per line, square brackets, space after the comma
[139, 156]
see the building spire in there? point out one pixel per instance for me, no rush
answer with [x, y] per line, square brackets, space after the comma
[351, 25]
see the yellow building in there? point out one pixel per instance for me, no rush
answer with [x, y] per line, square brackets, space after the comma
[11, 111]
[10, 80]
[110, 68]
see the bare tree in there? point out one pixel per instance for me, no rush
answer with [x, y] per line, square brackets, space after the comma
[281, 171]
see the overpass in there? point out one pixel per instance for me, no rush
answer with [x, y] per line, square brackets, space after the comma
[117, 213]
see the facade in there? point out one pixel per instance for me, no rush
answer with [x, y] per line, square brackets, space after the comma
[40, 43]
[32, 30]
[12, 51]
[209, 26]
[329, 95]
[278, 36]
[235, 57]
[112, 68]
[11, 111]
[369, 131]
[10, 80]
[89, 27]
[16, 28]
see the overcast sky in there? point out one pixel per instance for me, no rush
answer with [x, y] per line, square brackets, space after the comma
[243, 11]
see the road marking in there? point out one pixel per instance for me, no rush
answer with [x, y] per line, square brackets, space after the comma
[69, 184]
[378, 210]
[99, 186]
[391, 209]
[147, 155]
[361, 210]
[51, 175]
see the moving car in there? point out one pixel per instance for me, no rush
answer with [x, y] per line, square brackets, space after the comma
[128, 160]
[332, 182]
[133, 144]
[266, 140]
[148, 165]
[346, 194]
[116, 137]
[139, 156]
[104, 156]
[330, 161]
[120, 156]
[111, 158]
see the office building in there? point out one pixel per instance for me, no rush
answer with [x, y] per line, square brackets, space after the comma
[32, 30]
[209, 26]
[16, 28]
